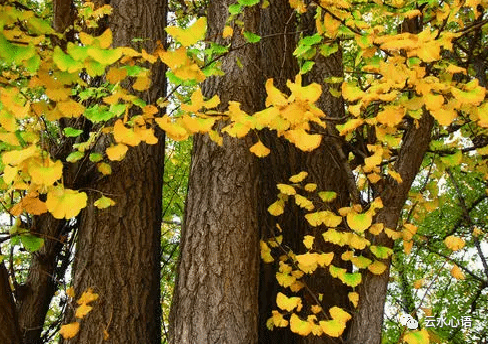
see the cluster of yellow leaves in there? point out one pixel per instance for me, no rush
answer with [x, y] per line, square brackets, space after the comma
[31, 170]
[334, 327]
[70, 330]
[291, 116]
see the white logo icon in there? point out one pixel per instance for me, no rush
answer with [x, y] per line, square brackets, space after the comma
[409, 321]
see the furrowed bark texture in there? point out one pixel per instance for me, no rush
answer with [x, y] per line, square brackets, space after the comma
[35, 295]
[118, 250]
[323, 166]
[9, 330]
[216, 292]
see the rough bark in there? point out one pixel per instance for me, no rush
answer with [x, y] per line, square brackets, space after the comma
[323, 166]
[216, 290]
[118, 250]
[9, 331]
[36, 293]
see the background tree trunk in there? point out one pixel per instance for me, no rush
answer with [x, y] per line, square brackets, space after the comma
[118, 250]
[9, 331]
[285, 160]
[216, 292]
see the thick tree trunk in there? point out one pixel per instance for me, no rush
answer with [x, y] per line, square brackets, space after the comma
[118, 250]
[285, 160]
[216, 292]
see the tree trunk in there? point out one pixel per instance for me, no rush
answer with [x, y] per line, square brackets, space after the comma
[35, 295]
[368, 321]
[9, 331]
[285, 160]
[118, 250]
[216, 292]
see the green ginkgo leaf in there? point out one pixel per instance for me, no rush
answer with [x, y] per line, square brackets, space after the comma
[65, 62]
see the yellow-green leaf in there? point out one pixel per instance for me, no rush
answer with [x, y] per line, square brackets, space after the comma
[103, 202]
[417, 337]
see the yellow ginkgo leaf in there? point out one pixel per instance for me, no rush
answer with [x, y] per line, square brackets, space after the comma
[333, 328]
[409, 231]
[361, 262]
[277, 208]
[65, 203]
[278, 319]
[377, 267]
[285, 279]
[286, 189]
[417, 337]
[82, 310]
[300, 326]
[33, 205]
[70, 108]
[288, 303]
[259, 149]
[190, 35]
[69, 330]
[304, 202]
[376, 229]
[339, 314]
[351, 92]
[330, 219]
[359, 222]
[70, 292]
[354, 298]
[308, 241]
[17, 156]
[45, 172]
[266, 252]
[116, 153]
[104, 168]
[310, 187]
[125, 135]
[454, 243]
[396, 176]
[297, 178]
[228, 31]
[407, 246]
[457, 273]
[325, 259]
[307, 262]
[87, 297]
[302, 140]
[327, 196]
[172, 129]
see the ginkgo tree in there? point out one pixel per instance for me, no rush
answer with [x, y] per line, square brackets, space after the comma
[82, 122]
